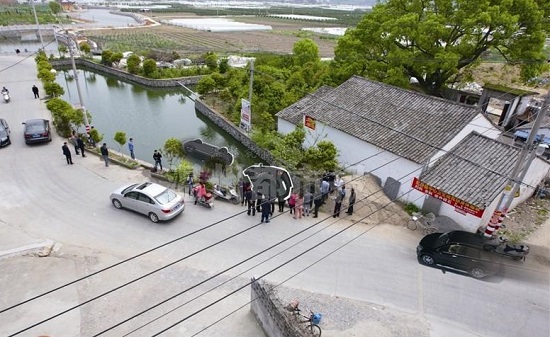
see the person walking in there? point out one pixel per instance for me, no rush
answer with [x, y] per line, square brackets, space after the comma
[338, 202]
[67, 153]
[252, 202]
[190, 183]
[35, 91]
[157, 157]
[299, 208]
[74, 142]
[292, 202]
[317, 201]
[80, 145]
[131, 149]
[105, 154]
[325, 186]
[351, 201]
[266, 208]
[248, 198]
[308, 200]
[281, 200]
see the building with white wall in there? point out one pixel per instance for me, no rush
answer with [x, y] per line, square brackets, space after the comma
[395, 135]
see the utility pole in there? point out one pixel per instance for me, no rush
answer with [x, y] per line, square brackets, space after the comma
[250, 91]
[518, 174]
[71, 52]
[37, 25]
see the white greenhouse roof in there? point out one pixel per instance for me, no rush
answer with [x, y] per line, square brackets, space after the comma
[302, 17]
[340, 31]
[216, 25]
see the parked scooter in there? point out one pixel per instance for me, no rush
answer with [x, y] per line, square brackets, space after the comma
[207, 200]
[6, 95]
[500, 246]
[226, 193]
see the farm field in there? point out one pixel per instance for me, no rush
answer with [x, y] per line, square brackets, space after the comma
[190, 42]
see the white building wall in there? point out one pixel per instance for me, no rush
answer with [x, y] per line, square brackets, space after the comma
[359, 157]
[480, 124]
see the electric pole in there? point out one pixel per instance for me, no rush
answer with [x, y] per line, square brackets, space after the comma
[71, 52]
[37, 25]
[250, 91]
[520, 170]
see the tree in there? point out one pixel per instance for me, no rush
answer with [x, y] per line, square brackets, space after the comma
[149, 68]
[55, 7]
[173, 149]
[62, 49]
[45, 75]
[206, 85]
[211, 60]
[96, 136]
[133, 64]
[322, 157]
[305, 51]
[106, 56]
[433, 41]
[85, 47]
[116, 57]
[120, 138]
[64, 116]
[53, 89]
[224, 65]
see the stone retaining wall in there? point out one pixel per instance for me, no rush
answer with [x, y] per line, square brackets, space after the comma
[234, 131]
[167, 83]
[268, 311]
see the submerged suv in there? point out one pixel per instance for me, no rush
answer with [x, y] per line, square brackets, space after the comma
[458, 250]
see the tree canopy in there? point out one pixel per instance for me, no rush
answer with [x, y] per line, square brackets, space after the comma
[433, 40]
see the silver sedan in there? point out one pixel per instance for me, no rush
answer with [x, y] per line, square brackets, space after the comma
[156, 201]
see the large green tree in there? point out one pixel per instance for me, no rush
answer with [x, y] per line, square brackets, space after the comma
[433, 40]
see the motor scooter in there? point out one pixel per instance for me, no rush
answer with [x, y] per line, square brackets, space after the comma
[6, 96]
[501, 246]
[226, 193]
[206, 200]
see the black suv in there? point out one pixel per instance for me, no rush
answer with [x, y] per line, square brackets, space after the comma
[457, 250]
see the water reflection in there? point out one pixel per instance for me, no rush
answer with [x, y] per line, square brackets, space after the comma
[149, 116]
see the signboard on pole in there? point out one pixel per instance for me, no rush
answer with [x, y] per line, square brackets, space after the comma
[245, 115]
[309, 122]
[460, 206]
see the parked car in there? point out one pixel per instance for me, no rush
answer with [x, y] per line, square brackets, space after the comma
[156, 201]
[458, 250]
[4, 133]
[204, 151]
[37, 131]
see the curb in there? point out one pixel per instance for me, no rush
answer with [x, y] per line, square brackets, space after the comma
[40, 249]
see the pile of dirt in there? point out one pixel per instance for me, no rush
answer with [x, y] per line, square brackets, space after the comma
[372, 205]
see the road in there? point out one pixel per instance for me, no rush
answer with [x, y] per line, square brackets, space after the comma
[43, 198]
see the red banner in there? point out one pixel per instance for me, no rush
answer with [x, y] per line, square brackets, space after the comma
[461, 206]
[309, 122]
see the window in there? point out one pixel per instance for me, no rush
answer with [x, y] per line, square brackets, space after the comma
[144, 198]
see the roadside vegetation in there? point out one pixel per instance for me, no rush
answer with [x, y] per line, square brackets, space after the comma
[22, 14]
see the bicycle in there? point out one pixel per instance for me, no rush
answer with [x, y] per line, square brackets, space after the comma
[422, 221]
[313, 319]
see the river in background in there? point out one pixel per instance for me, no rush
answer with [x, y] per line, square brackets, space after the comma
[149, 116]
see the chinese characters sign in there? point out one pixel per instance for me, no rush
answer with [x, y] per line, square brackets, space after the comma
[461, 206]
[245, 115]
[309, 122]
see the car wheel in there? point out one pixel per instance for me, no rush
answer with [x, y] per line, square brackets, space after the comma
[117, 204]
[477, 273]
[153, 217]
[427, 260]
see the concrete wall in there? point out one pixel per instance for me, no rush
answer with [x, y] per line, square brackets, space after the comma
[270, 314]
[234, 131]
[168, 83]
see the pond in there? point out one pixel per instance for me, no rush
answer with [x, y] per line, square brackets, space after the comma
[149, 116]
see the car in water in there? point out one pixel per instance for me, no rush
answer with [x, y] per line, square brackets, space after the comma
[458, 251]
[37, 131]
[4, 133]
[156, 201]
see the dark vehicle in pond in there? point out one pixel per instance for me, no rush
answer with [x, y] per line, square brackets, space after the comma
[460, 251]
[204, 151]
[37, 131]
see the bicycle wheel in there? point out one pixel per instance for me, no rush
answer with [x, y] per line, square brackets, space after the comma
[315, 330]
[430, 230]
[412, 225]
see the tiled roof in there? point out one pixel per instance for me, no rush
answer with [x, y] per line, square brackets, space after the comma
[404, 122]
[475, 170]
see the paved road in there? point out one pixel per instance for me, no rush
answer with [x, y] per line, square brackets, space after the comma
[43, 198]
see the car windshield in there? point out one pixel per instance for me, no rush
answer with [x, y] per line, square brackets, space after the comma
[165, 197]
[442, 239]
[128, 189]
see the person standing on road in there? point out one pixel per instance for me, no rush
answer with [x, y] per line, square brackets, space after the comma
[338, 202]
[74, 143]
[80, 145]
[281, 200]
[67, 153]
[308, 200]
[35, 92]
[317, 201]
[157, 157]
[325, 186]
[251, 200]
[105, 154]
[292, 202]
[132, 155]
[351, 201]
[299, 206]
[190, 182]
[265, 208]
